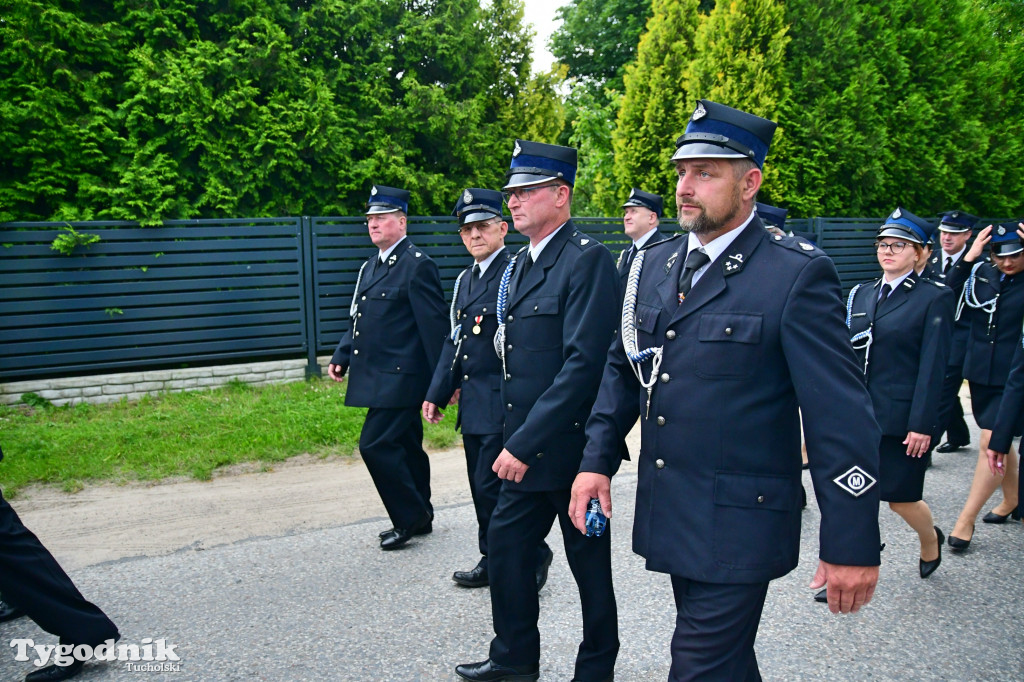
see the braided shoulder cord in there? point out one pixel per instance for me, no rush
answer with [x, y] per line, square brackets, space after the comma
[970, 297]
[864, 338]
[499, 335]
[629, 332]
[452, 317]
[354, 306]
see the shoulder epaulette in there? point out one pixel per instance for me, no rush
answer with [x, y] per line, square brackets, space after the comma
[797, 244]
[658, 243]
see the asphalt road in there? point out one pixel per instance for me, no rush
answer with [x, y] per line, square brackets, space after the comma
[329, 605]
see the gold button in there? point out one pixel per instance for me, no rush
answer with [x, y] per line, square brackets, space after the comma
[664, 378]
[660, 463]
[670, 334]
[661, 421]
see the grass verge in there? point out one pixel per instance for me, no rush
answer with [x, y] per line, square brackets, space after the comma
[182, 434]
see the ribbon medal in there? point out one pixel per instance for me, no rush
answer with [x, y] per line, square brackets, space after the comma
[476, 327]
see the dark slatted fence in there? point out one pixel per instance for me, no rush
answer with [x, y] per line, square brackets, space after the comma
[187, 292]
[194, 292]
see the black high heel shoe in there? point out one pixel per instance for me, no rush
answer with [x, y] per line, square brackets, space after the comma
[992, 517]
[928, 567]
[958, 545]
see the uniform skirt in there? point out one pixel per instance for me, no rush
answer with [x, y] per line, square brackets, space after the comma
[901, 477]
[985, 405]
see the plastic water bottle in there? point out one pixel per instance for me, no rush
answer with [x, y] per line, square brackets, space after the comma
[596, 520]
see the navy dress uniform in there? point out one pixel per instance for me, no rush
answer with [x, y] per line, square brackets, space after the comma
[951, 411]
[1009, 422]
[468, 363]
[556, 320]
[993, 303]
[927, 270]
[652, 202]
[717, 379]
[773, 217]
[32, 581]
[397, 329]
[902, 336]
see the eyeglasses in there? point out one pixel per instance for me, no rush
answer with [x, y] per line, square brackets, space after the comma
[895, 247]
[523, 193]
[467, 230]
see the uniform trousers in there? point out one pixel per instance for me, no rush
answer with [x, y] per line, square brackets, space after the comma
[484, 485]
[951, 411]
[391, 444]
[522, 519]
[716, 624]
[32, 580]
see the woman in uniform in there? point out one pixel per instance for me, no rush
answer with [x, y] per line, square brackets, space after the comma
[993, 298]
[901, 326]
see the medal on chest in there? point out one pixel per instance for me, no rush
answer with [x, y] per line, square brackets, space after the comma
[476, 327]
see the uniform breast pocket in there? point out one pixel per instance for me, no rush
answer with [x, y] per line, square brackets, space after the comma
[647, 317]
[380, 301]
[539, 326]
[728, 345]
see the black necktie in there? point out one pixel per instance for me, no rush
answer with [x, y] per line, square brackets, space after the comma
[695, 260]
[629, 257]
[527, 264]
[949, 262]
[886, 290]
[473, 277]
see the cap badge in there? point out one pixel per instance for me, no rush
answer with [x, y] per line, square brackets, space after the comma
[467, 197]
[700, 112]
[856, 481]
[1000, 230]
[517, 150]
[373, 191]
[897, 213]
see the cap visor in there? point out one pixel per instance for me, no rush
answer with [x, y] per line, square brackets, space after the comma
[476, 217]
[955, 229]
[704, 150]
[527, 179]
[899, 231]
[1008, 250]
[380, 208]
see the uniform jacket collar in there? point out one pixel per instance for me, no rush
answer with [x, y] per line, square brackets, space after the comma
[538, 272]
[379, 271]
[494, 270]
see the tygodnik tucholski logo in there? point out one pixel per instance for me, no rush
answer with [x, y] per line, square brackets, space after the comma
[149, 655]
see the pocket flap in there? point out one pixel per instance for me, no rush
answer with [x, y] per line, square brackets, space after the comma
[542, 305]
[754, 491]
[647, 317]
[734, 327]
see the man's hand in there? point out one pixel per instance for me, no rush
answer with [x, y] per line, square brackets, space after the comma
[431, 412]
[917, 443]
[849, 587]
[586, 487]
[983, 238]
[996, 462]
[336, 372]
[455, 397]
[509, 468]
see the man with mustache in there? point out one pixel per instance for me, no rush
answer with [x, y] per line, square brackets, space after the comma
[728, 331]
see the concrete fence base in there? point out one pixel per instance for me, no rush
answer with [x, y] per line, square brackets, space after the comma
[105, 388]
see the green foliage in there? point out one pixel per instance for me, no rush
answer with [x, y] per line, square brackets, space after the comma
[656, 101]
[598, 38]
[148, 110]
[539, 114]
[597, 193]
[35, 400]
[70, 239]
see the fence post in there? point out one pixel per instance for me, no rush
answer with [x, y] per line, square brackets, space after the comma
[308, 268]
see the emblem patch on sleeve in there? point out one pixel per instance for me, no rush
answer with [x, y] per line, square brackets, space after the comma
[856, 481]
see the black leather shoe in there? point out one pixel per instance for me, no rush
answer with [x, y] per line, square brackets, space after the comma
[399, 536]
[951, 447]
[928, 567]
[474, 578]
[489, 671]
[958, 545]
[8, 612]
[992, 517]
[822, 597]
[610, 678]
[542, 570]
[52, 673]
